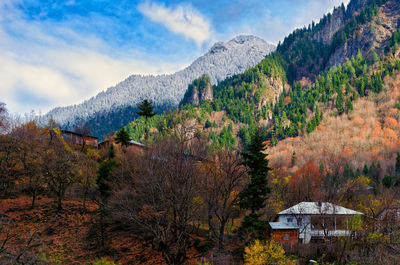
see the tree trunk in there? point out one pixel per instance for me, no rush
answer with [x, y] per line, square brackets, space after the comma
[221, 235]
[84, 199]
[146, 132]
[59, 203]
[210, 227]
[33, 199]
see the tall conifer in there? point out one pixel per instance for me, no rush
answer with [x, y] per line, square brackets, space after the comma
[253, 197]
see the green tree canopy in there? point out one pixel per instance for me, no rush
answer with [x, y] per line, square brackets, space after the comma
[122, 137]
[146, 111]
[253, 196]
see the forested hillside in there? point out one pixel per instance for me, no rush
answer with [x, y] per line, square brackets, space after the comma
[288, 100]
[315, 122]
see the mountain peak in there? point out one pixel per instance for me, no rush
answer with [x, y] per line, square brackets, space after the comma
[223, 60]
[241, 39]
[238, 40]
[219, 47]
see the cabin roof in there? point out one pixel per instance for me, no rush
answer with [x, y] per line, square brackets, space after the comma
[305, 208]
[136, 143]
[71, 132]
[282, 226]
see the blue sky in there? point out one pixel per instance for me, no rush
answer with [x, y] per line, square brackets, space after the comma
[61, 52]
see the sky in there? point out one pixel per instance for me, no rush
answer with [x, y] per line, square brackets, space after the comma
[61, 52]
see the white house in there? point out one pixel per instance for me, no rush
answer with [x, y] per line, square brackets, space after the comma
[308, 220]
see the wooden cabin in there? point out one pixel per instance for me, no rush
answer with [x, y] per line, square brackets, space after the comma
[78, 138]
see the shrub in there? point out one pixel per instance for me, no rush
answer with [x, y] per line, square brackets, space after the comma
[264, 253]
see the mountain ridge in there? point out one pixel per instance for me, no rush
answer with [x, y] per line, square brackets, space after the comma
[222, 60]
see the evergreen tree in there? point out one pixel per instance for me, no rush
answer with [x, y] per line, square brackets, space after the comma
[104, 189]
[365, 170]
[397, 168]
[349, 105]
[122, 137]
[293, 158]
[253, 196]
[340, 101]
[348, 172]
[146, 111]
[321, 168]
[389, 181]
[398, 163]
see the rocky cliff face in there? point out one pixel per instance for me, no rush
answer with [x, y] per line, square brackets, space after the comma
[364, 25]
[198, 91]
[371, 37]
[333, 24]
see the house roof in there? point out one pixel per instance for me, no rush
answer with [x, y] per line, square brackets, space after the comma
[136, 143]
[318, 208]
[79, 134]
[282, 226]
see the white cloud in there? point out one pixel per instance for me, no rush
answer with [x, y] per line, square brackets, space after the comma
[40, 71]
[63, 77]
[319, 8]
[275, 26]
[183, 19]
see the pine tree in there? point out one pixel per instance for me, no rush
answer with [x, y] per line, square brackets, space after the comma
[397, 168]
[104, 189]
[122, 137]
[293, 158]
[365, 170]
[398, 163]
[339, 102]
[349, 105]
[317, 116]
[146, 110]
[253, 197]
[348, 172]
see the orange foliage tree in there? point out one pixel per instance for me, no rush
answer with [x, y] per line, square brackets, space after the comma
[305, 185]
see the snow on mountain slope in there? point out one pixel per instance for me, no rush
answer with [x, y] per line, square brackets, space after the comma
[221, 61]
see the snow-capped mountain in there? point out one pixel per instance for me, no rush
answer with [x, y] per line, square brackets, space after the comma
[166, 91]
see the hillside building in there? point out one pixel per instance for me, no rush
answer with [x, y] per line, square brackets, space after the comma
[309, 221]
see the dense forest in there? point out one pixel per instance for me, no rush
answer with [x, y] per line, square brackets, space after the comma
[203, 183]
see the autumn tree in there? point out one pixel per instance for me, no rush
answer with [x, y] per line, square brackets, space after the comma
[22, 252]
[88, 167]
[306, 184]
[10, 168]
[60, 169]
[265, 253]
[253, 196]
[3, 118]
[146, 111]
[31, 143]
[51, 129]
[9, 163]
[222, 183]
[84, 130]
[160, 198]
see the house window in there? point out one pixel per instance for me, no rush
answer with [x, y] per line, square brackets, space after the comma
[290, 220]
[286, 237]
